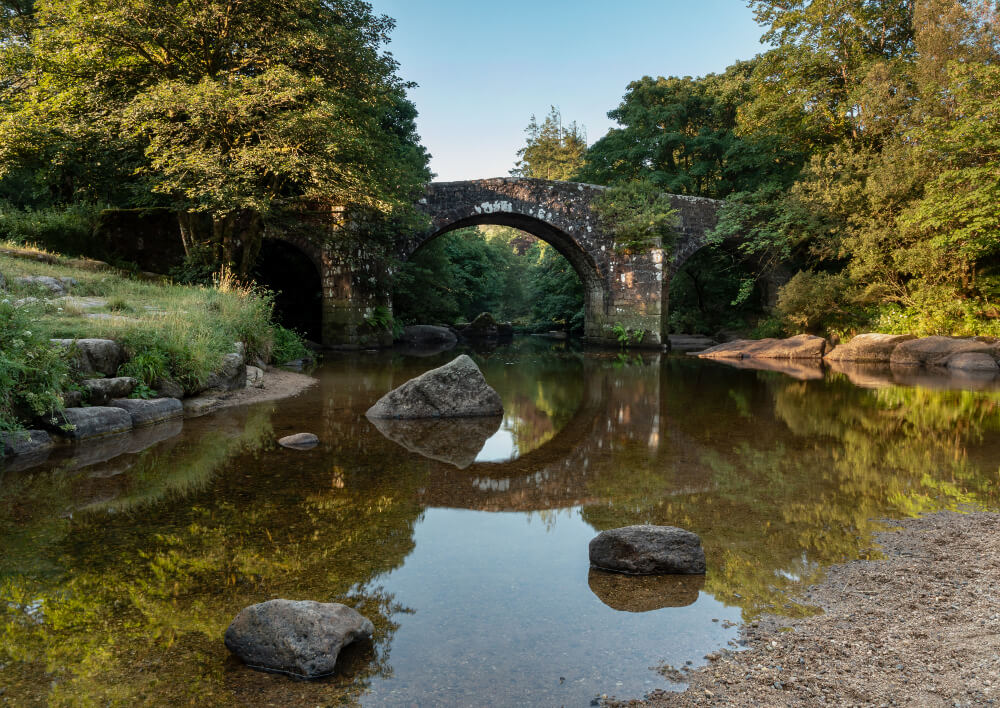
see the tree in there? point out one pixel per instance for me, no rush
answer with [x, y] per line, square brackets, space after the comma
[230, 110]
[553, 151]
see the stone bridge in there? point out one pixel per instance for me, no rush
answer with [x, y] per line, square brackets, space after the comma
[620, 288]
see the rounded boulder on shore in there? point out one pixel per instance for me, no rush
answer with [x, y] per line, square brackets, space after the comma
[648, 550]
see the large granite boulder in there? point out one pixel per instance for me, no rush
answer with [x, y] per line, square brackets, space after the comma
[456, 441]
[298, 638]
[56, 286]
[84, 423]
[648, 550]
[870, 347]
[975, 363]
[93, 356]
[936, 351]
[644, 593]
[801, 346]
[455, 390]
[428, 336]
[100, 391]
[151, 411]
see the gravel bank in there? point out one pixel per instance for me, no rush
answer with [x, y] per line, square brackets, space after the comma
[920, 628]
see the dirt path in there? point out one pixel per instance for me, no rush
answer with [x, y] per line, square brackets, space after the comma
[920, 628]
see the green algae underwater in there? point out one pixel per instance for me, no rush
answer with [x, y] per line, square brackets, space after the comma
[119, 576]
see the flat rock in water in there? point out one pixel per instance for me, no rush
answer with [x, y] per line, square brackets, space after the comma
[428, 335]
[299, 638]
[148, 412]
[93, 421]
[801, 346]
[644, 593]
[100, 391]
[25, 442]
[456, 441]
[936, 351]
[299, 441]
[870, 347]
[974, 362]
[455, 390]
[648, 550]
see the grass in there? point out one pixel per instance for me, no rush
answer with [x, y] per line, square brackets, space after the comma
[180, 330]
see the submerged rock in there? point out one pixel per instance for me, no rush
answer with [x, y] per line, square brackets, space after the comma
[148, 412]
[25, 442]
[299, 441]
[644, 593]
[299, 638]
[455, 441]
[646, 550]
[801, 346]
[93, 356]
[869, 347]
[455, 390]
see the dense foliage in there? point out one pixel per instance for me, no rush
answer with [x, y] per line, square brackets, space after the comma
[553, 150]
[228, 111]
[860, 151]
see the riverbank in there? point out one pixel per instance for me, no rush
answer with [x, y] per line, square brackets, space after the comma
[919, 627]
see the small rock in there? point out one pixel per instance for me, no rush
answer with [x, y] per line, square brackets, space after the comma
[648, 549]
[299, 441]
[93, 422]
[100, 391]
[148, 412]
[455, 390]
[298, 638]
[255, 377]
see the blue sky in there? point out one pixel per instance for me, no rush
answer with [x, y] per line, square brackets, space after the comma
[484, 68]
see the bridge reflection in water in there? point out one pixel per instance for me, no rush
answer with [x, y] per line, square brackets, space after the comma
[156, 550]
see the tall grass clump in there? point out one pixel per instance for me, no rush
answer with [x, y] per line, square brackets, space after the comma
[33, 373]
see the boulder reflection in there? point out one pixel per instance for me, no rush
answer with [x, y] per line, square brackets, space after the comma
[456, 441]
[644, 593]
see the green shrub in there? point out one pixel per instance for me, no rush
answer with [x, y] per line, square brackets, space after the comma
[814, 302]
[288, 346]
[33, 373]
[146, 366]
[68, 229]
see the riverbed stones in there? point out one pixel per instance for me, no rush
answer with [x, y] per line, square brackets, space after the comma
[93, 356]
[974, 363]
[100, 391]
[25, 442]
[299, 441]
[428, 336]
[935, 351]
[301, 638]
[801, 346]
[93, 421]
[869, 347]
[648, 550]
[151, 411]
[455, 390]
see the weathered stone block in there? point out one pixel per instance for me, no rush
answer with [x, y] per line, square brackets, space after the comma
[93, 356]
[935, 351]
[148, 412]
[100, 391]
[27, 442]
[93, 422]
[870, 347]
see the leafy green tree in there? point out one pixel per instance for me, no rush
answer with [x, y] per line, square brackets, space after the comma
[553, 150]
[230, 110]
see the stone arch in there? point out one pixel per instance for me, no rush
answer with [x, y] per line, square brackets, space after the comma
[294, 269]
[596, 293]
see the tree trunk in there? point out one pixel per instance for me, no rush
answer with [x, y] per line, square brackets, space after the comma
[231, 239]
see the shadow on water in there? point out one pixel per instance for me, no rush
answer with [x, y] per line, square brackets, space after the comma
[118, 575]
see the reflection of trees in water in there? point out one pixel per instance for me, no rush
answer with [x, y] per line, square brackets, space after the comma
[782, 478]
[134, 597]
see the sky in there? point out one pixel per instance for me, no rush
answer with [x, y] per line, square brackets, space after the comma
[484, 68]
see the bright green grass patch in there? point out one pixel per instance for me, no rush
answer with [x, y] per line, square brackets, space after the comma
[175, 330]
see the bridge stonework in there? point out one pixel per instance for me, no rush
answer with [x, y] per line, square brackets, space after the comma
[619, 287]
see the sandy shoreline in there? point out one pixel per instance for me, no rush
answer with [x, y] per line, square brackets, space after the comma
[921, 627]
[277, 384]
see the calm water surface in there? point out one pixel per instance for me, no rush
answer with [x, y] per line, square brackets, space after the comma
[466, 542]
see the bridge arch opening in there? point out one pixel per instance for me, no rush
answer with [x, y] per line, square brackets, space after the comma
[298, 288]
[590, 288]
